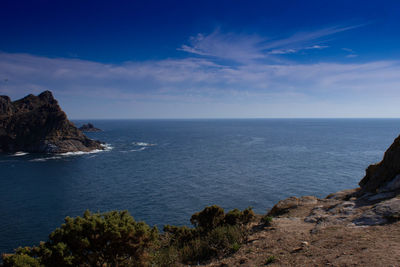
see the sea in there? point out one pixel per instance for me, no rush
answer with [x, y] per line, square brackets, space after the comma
[163, 171]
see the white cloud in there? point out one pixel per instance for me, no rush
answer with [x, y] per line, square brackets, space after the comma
[245, 48]
[241, 48]
[191, 76]
[195, 86]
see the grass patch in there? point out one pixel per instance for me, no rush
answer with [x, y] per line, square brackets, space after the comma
[270, 259]
[267, 220]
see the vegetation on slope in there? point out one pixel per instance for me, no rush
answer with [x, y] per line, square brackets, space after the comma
[116, 239]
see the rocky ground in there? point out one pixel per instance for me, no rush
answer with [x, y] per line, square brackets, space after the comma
[340, 230]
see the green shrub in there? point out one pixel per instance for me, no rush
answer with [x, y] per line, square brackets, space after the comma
[248, 215]
[235, 247]
[221, 239]
[99, 239]
[20, 260]
[179, 235]
[116, 239]
[215, 234]
[270, 259]
[267, 220]
[167, 256]
[208, 218]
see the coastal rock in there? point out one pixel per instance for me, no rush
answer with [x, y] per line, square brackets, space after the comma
[285, 205]
[383, 176]
[89, 128]
[37, 124]
[383, 212]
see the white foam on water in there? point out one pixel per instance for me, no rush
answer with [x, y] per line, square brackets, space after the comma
[140, 149]
[107, 147]
[45, 159]
[20, 153]
[142, 144]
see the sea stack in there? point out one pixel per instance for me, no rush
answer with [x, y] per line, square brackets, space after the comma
[89, 128]
[38, 124]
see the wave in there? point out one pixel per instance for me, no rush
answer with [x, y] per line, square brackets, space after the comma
[140, 149]
[133, 150]
[45, 159]
[143, 144]
[20, 153]
[107, 147]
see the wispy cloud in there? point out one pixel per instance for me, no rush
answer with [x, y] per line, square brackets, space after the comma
[244, 48]
[292, 50]
[303, 39]
[351, 53]
[241, 48]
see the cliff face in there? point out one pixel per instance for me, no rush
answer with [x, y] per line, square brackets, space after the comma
[384, 176]
[37, 124]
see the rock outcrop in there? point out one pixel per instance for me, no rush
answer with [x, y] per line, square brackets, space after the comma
[89, 128]
[385, 175]
[37, 124]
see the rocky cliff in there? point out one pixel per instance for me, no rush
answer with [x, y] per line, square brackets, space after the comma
[37, 124]
[385, 175]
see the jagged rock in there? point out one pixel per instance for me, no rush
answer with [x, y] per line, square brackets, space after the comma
[381, 213]
[344, 194]
[89, 128]
[285, 205]
[379, 176]
[37, 124]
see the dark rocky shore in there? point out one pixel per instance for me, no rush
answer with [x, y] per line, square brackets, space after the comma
[38, 124]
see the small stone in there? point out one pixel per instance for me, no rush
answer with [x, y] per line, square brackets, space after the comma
[304, 243]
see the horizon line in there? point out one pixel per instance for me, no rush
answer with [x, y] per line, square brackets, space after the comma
[238, 118]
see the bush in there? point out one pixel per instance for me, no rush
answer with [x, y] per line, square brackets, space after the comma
[209, 218]
[221, 239]
[116, 239]
[236, 216]
[107, 239]
[165, 256]
[267, 220]
[180, 235]
[20, 260]
[215, 234]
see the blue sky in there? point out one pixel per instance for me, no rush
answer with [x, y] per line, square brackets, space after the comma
[205, 59]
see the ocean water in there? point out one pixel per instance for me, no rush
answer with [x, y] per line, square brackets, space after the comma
[163, 171]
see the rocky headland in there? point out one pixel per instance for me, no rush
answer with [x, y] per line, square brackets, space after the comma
[38, 124]
[89, 128]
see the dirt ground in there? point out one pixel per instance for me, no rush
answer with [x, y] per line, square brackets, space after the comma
[290, 241]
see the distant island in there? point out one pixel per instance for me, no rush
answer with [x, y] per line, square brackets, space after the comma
[38, 124]
[89, 128]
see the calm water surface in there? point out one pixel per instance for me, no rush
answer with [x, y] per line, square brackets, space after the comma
[163, 171]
